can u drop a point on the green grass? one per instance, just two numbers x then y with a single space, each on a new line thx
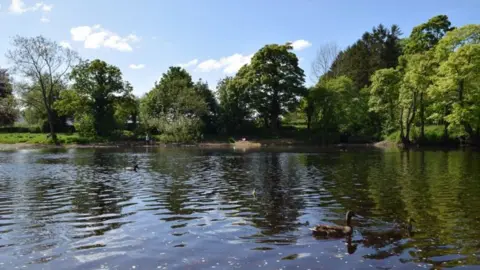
433 135
41 138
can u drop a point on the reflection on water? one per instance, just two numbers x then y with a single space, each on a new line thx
204 209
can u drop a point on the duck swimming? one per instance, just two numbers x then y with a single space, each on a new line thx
134 168
334 230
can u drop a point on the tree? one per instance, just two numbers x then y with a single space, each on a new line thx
173 107
426 36
322 63
459 80
126 108
31 98
97 86
420 69
456 84
210 118
44 61
5 83
374 50
419 61
8 110
384 98
275 81
234 104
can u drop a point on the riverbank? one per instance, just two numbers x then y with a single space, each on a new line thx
15 141
239 145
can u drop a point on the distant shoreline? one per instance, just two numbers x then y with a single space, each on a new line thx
247 145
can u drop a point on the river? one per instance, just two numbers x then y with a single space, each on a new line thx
226 209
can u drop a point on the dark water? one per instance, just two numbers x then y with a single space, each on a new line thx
194 209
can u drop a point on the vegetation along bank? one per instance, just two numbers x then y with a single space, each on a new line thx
421 89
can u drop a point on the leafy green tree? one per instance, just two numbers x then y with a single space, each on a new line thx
426 36
375 50
384 97
456 84
419 63
418 76
97 86
234 104
338 107
210 118
127 108
173 107
275 81
8 110
31 99
46 62
459 80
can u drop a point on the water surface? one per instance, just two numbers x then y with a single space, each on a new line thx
207 209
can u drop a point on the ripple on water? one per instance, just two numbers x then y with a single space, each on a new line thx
197 209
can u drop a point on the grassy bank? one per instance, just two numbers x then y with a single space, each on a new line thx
433 136
41 138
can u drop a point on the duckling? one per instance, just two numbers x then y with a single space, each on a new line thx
333 230
134 168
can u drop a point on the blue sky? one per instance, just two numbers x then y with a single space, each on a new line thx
144 37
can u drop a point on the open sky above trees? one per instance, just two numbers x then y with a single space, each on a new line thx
210 38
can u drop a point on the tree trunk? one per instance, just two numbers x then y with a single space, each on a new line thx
422 119
445 124
402 134
274 123
265 121
53 135
410 117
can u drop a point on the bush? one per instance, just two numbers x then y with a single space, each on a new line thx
85 125
182 129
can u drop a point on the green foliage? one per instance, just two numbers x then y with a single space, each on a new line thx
98 90
41 138
375 50
426 35
459 80
85 125
234 104
210 118
274 81
174 107
45 64
384 96
8 104
8 110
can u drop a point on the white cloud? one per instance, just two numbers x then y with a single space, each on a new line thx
44 19
95 37
300 44
140 66
47 8
189 63
229 64
65 44
19 7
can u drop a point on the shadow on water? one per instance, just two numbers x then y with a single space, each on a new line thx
201 208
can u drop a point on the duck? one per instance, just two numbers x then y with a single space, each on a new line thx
335 231
134 168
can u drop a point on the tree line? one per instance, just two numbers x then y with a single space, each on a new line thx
379 85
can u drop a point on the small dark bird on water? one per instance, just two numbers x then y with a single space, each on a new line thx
134 168
329 231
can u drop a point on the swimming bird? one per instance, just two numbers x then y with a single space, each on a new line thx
134 168
334 230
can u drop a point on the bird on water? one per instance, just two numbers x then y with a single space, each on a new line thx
134 168
334 231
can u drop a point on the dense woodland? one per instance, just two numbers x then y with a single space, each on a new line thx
421 89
